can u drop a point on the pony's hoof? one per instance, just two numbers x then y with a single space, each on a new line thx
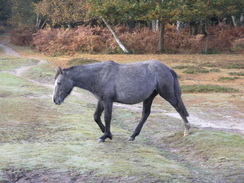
131 139
110 137
186 134
101 140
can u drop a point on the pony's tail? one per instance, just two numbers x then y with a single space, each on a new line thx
180 105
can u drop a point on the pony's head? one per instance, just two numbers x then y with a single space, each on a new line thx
63 86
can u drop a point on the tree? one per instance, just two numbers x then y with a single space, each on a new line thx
112 11
21 12
146 10
5 10
164 11
202 10
61 12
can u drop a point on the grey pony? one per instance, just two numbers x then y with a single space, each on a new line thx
123 83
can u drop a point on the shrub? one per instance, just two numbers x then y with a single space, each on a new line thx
139 40
22 36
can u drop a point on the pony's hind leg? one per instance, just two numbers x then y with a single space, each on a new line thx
179 106
145 113
187 125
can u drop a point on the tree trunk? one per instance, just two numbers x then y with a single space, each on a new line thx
202 27
116 37
132 24
242 20
161 37
234 21
179 26
154 25
207 36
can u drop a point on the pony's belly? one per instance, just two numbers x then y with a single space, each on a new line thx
132 98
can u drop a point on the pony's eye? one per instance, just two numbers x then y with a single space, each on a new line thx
59 83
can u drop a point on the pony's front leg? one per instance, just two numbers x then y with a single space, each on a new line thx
145 113
97 115
107 118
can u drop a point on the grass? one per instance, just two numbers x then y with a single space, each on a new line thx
1 50
239 65
180 67
8 63
81 61
37 136
43 73
207 89
236 73
195 70
209 64
191 69
220 149
227 78
214 70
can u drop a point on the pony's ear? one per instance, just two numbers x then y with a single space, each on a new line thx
59 70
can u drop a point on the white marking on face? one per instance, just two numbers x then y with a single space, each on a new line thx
54 89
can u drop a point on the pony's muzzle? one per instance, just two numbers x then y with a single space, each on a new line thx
57 102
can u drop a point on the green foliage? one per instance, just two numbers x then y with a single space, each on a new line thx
22 13
196 10
5 10
59 12
122 11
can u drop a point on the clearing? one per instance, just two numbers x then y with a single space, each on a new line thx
42 142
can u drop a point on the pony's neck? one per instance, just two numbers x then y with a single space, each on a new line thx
85 77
